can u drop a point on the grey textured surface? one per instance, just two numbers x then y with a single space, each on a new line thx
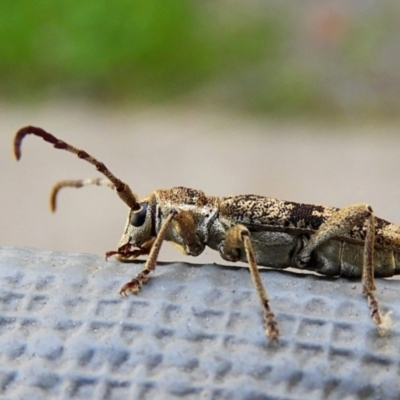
192 332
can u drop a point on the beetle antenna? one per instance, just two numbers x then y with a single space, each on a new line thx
78 183
123 190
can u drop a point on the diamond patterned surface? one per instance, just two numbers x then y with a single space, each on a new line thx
190 333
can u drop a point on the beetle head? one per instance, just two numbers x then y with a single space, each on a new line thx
139 233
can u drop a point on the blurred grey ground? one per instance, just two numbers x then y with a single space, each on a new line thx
190 333
221 154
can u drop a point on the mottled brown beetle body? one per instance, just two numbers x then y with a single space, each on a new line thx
349 242
279 230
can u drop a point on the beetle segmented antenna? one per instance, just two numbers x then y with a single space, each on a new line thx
123 190
76 184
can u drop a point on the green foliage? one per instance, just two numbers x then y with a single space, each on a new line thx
250 55
138 49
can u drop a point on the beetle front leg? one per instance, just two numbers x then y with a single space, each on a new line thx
142 277
340 224
182 230
237 238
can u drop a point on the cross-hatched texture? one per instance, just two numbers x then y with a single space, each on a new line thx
191 333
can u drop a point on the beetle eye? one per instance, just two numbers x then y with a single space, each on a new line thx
139 217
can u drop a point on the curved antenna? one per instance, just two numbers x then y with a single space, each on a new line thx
123 190
78 183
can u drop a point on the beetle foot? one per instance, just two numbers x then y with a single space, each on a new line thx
301 260
385 325
383 321
132 286
135 284
271 326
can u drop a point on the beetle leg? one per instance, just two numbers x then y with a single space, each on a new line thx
127 255
368 279
340 224
237 238
142 277
183 234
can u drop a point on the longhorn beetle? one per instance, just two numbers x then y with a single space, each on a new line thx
349 242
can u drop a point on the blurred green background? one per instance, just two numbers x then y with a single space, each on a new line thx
276 58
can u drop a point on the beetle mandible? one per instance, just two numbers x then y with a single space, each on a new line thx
348 242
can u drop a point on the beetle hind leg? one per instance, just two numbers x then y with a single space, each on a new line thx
238 238
382 320
340 224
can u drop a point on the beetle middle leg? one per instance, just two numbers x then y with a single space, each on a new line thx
237 238
340 224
